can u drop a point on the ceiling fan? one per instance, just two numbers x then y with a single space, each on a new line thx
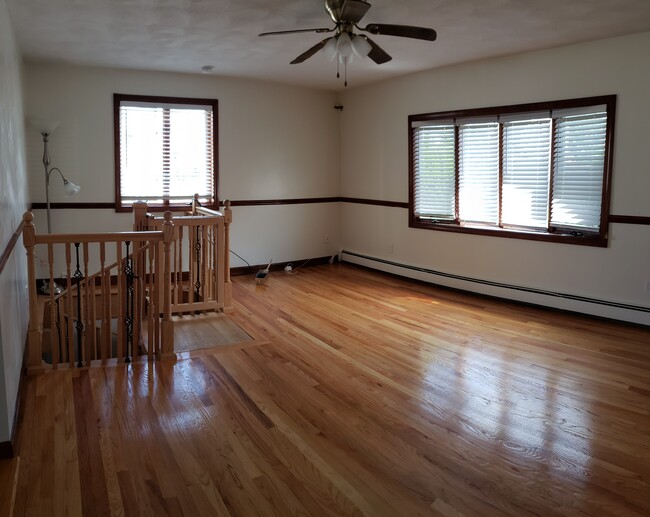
346 14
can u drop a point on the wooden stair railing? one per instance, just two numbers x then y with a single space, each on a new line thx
200 265
82 317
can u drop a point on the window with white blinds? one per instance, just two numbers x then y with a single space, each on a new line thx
435 180
537 171
478 172
166 150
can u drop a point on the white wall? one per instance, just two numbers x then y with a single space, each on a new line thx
275 142
13 202
374 158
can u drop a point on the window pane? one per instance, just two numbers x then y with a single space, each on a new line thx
579 165
526 170
434 171
479 172
141 156
190 153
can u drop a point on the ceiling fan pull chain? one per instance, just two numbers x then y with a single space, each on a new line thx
345 71
338 61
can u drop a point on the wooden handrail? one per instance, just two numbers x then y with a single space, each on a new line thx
199 256
59 238
79 331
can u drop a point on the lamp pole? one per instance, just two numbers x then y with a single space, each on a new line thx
46 164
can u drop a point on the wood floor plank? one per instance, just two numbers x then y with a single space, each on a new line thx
360 394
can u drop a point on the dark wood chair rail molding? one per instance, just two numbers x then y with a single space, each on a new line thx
619 219
629 219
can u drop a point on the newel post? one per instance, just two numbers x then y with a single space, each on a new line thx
139 216
35 332
227 294
167 330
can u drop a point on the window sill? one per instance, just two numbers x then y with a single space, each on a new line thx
563 238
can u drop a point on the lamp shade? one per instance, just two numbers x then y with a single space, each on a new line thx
344 44
360 46
329 50
71 188
43 126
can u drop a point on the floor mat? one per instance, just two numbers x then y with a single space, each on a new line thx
196 332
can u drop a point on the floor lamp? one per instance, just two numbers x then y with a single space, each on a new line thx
70 189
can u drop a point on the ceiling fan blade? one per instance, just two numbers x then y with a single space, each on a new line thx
353 10
306 55
275 33
377 54
405 31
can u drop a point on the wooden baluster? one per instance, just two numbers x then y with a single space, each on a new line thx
35 331
89 325
167 323
89 330
227 300
55 335
62 329
212 277
221 266
120 303
179 271
205 291
105 335
68 310
152 308
191 238
138 296
175 253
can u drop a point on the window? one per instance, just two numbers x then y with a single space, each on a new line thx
165 151
536 171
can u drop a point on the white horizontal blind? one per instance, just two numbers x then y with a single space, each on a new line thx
166 153
478 163
434 171
578 175
526 172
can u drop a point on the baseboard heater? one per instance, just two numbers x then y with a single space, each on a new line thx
531 290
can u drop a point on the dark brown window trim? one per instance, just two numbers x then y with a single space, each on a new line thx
599 240
118 98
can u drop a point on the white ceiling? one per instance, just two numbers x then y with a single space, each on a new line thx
184 35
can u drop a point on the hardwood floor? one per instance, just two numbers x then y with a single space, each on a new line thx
361 395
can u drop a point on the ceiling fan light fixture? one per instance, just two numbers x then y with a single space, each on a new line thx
344 44
329 50
360 45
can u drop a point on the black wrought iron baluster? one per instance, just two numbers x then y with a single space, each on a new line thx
79 325
128 318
